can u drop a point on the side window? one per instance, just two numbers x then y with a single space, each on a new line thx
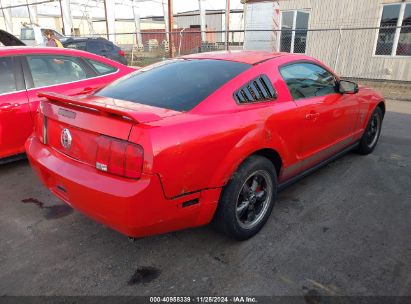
308 80
102 68
77 45
7 77
57 35
50 70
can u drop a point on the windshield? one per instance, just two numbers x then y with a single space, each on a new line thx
178 84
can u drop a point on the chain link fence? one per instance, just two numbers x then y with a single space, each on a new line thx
368 53
156 46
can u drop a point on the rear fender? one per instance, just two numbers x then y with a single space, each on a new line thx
256 140
192 153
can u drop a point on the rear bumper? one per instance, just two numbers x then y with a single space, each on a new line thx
133 207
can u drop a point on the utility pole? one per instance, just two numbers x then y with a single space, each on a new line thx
32 9
62 18
106 15
202 8
109 9
66 18
7 17
227 24
136 14
170 27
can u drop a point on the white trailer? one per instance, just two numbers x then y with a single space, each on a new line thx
263 16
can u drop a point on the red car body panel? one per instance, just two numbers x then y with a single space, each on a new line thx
190 156
133 207
17 109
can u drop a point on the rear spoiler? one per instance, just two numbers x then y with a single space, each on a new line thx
103 109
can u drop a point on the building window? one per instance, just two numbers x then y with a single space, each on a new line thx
394 36
294 25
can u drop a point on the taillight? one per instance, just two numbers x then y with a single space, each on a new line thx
41 127
119 157
121 53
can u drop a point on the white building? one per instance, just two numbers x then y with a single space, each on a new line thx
215 21
348 35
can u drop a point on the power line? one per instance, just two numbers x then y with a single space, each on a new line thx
28 4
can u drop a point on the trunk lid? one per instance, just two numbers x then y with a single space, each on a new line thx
74 125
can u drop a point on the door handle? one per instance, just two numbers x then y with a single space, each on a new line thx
312 116
8 106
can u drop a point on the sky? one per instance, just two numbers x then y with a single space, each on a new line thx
154 7
147 7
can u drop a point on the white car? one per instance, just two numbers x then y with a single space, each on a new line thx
33 35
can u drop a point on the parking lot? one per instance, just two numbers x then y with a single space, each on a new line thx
345 230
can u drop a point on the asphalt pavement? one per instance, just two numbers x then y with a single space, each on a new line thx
344 230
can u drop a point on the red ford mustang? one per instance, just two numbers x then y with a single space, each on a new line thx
24 71
203 137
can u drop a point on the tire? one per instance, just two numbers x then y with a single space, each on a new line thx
251 191
372 133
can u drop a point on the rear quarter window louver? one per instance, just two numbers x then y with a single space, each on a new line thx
258 89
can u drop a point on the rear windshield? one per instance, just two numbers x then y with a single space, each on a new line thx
178 85
27 34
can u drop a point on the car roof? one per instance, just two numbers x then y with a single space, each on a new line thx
26 50
249 57
81 39
16 50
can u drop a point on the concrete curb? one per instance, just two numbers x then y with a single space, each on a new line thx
397 99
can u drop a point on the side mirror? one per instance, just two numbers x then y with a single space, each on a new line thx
347 87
